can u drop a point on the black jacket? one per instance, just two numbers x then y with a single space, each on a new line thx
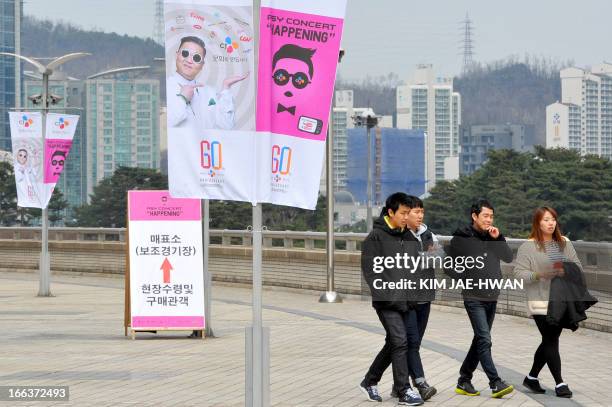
468 241
569 298
384 242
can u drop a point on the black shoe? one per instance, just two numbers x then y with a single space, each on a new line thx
425 390
499 389
410 398
371 392
466 388
563 391
533 385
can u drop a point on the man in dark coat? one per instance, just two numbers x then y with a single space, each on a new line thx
383 250
485 246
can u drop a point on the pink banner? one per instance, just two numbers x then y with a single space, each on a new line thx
160 206
168 322
297 68
56 154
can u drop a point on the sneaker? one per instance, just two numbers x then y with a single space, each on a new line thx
426 391
371 392
563 391
466 388
533 385
500 388
410 398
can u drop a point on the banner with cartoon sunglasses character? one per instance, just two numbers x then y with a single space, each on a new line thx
298 57
218 147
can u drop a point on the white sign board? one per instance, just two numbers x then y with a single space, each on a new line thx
166 271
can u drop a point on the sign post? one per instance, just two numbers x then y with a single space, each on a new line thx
247 120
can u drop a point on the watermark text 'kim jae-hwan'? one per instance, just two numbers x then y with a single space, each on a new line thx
411 264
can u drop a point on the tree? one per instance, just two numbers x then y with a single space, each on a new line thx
578 187
238 215
109 199
230 215
56 207
8 195
278 217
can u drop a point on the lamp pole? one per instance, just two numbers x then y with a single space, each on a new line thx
369 184
44 286
369 120
330 295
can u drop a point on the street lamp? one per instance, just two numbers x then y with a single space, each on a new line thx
44 287
330 295
368 119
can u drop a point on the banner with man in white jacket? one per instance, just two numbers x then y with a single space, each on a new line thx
38 165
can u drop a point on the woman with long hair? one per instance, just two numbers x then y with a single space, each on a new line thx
538 261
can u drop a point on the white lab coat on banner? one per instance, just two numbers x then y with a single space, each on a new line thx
208 109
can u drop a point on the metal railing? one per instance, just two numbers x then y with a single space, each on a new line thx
593 255
64 234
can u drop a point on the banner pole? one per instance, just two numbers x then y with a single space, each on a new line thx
44 288
257 342
257 308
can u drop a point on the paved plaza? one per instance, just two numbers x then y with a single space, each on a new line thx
319 352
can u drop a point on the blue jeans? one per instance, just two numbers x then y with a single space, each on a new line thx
416 323
481 314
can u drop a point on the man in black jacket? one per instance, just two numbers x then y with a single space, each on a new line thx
382 250
481 245
418 314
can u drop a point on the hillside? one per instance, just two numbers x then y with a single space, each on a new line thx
510 92
501 92
47 39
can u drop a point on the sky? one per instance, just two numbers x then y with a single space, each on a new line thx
383 36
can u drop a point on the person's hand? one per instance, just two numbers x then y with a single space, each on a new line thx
493 232
231 80
187 90
558 269
546 274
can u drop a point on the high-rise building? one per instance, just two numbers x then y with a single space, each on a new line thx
341 121
476 141
398 163
582 120
429 104
69 92
10 67
122 110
